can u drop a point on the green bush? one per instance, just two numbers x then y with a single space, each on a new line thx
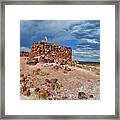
43 72
34 97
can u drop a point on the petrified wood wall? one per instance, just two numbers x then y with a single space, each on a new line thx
24 54
50 52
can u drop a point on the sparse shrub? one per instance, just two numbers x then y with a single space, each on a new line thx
35 97
43 72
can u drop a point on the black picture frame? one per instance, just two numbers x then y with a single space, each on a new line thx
66 2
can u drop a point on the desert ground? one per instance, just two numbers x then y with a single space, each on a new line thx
50 81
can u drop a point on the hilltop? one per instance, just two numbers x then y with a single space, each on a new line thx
48 72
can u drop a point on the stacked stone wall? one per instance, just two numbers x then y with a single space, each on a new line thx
24 54
50 52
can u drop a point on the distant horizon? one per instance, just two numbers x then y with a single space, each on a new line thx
83 36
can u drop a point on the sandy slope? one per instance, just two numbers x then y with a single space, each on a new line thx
74 81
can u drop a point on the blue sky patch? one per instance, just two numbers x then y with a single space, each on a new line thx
83 36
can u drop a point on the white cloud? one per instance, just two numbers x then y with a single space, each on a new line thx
26 49
92 41
86 55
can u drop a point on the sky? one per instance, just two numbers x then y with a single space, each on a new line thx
83 36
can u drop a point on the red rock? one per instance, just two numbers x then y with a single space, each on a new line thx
43 94
28 93
47 81
50 52
32 61
37 89
82 95
24 54
91 96
53 80
67 68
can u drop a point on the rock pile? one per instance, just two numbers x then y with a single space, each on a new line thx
51 53
24 54
82 95
32 61
47 90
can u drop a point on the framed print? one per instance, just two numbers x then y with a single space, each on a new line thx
60 59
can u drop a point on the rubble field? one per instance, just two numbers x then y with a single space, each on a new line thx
52 81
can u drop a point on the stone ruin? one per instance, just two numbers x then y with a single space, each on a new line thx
47 52
24 54
50 53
